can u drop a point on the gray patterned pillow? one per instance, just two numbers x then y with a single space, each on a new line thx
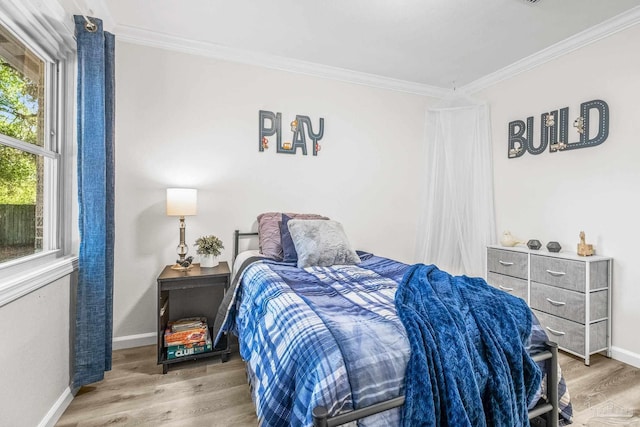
321 243
269 239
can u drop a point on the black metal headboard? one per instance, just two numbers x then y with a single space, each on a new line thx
236 238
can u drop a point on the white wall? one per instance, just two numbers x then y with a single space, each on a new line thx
192 121
34 361
553 196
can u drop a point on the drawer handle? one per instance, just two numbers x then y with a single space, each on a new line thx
504 288
556 273
554 332
505 263
558 303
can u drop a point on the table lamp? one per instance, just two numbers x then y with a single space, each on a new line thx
182 202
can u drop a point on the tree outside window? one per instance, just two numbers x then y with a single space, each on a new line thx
22 76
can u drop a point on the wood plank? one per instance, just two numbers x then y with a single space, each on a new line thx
211 393
135 392
605 393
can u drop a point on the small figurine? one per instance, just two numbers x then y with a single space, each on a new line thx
517 148
558 146
584 249
508 240
549 120
186 263
294 125
265 143
579 124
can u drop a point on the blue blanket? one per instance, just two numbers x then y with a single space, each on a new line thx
469 364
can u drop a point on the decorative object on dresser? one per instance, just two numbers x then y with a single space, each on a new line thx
182 202
569 294
209 248
184 298
584 249
534 244
508 240
553 247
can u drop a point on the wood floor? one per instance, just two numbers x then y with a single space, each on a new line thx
210 393
136 393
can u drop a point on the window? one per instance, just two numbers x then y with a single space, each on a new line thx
29 154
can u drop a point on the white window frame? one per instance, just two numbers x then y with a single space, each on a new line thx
28 22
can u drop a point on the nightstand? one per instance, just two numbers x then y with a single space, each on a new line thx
195 292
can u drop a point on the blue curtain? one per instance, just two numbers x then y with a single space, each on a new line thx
95 128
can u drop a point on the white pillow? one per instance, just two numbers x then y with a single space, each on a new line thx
321 243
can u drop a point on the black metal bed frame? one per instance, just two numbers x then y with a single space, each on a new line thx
549 407
236 240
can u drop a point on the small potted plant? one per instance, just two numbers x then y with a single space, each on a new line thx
209 248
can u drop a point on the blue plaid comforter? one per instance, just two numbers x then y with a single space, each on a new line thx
325 336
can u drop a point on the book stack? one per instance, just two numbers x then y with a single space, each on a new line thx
187 337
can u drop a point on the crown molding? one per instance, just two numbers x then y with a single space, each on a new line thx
164 41
575 42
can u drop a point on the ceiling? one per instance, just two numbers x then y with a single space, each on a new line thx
431 43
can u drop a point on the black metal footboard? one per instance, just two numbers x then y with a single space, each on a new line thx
548 407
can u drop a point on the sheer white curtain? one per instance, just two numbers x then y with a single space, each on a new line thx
457 219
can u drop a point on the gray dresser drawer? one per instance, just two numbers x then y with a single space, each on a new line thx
571 335
559 272
568 304
558 301
507 262
514 286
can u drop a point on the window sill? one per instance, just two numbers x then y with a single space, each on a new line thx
25 282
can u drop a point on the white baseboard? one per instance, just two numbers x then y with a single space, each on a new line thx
130 341
58 408
625 356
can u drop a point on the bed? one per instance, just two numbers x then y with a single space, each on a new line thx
325 346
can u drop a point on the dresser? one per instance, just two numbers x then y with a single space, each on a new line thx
569 294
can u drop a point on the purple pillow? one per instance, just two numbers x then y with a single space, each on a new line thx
269 232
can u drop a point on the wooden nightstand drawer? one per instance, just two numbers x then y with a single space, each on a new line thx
507 262
568 304
571 335
558 272
514 286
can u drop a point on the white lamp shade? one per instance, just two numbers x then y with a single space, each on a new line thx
182 201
